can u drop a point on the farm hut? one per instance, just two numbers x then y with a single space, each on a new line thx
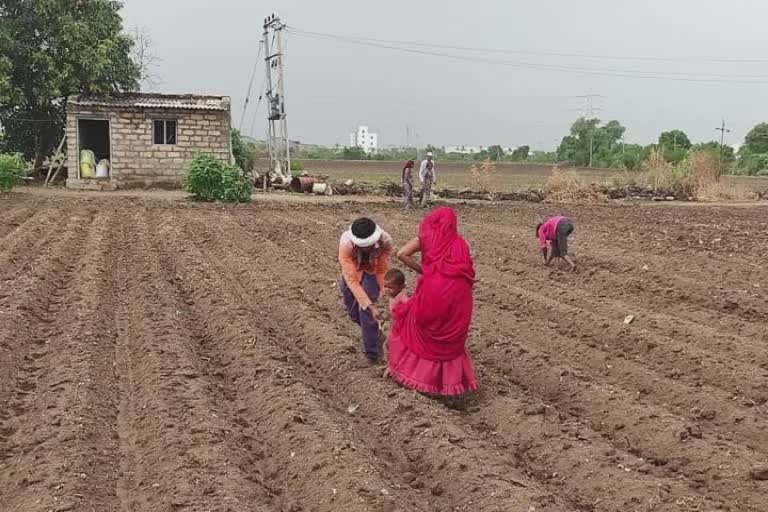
137 140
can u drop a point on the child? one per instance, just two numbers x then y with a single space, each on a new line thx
553 236
394 286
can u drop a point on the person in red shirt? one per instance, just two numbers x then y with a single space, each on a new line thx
553 236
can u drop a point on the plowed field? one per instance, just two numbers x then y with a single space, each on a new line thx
156 356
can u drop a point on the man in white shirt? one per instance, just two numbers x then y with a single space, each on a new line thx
428 177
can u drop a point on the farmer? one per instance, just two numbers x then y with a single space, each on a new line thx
364 254
553 236
407 178
428 178
427 342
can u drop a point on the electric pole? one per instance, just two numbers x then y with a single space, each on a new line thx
277 129
723 130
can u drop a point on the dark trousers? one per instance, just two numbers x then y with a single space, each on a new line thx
368 326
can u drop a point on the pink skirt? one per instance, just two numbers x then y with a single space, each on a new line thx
444 378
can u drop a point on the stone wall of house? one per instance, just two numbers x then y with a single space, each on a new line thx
136 159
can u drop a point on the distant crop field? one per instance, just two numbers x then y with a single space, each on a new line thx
509 177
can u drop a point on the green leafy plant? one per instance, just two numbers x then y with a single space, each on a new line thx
207 179
297 165
235 187
11 167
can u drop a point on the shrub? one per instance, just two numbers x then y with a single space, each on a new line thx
11 167
235 187
297 165
663 176
207 179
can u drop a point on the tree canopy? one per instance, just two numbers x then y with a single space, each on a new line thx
674 140
756 141
590 143
52 49
520 154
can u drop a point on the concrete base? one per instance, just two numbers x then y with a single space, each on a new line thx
92 184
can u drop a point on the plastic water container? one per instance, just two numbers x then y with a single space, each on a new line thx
87 163
102 169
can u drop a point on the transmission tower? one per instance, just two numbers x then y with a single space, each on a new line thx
277 130
589 113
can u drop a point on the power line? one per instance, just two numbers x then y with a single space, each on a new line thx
670 76
250 85
550 54
258 104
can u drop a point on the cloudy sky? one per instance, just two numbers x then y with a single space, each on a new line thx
655 64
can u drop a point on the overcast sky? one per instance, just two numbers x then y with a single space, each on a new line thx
209 46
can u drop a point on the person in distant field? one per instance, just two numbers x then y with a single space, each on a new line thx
553 236
365 251
407 178
428 178
427 342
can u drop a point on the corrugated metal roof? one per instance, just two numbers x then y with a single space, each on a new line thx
169 101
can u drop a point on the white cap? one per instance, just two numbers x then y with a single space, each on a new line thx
429 153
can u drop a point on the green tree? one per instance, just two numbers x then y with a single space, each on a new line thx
495 152
57 48
589 142
673 140
520 154
675 145
729 156
756 141
354 153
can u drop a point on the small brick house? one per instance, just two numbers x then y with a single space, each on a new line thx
145 138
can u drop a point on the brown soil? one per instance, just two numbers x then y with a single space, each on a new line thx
160 356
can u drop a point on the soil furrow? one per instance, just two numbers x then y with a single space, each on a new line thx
577 314
179 449
14 218
57 431
20 250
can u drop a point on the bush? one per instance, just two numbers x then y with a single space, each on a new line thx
296 165
236 188
11 167
207 179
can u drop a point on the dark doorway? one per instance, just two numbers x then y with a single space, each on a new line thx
94 135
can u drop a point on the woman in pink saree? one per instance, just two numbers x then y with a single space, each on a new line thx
427 343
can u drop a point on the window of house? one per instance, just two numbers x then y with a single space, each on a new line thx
165 132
